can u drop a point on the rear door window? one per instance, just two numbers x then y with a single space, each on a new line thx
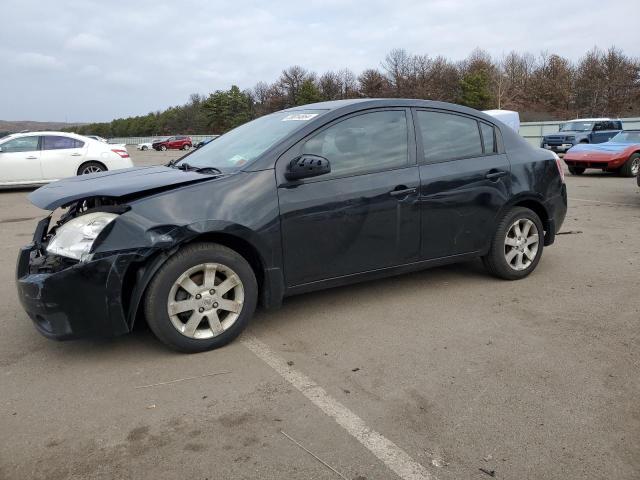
56 142
447 136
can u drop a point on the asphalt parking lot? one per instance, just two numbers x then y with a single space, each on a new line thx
454 370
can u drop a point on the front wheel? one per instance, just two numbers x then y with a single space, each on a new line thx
516 246
163 148
201 298
576 170
144 147
631 167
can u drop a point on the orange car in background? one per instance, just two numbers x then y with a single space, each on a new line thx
621 154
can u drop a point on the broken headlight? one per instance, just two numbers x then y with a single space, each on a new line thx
75 238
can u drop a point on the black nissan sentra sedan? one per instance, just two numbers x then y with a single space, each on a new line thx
307 198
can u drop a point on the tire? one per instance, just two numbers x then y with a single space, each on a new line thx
190 263
91 167
186 147
163 148
144 148
496 261
631 166
576 170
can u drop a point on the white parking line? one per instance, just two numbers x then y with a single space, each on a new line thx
606 203
384 449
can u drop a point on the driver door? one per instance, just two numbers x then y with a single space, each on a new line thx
363 215
20 160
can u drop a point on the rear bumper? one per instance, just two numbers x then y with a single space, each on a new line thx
82 300
557 210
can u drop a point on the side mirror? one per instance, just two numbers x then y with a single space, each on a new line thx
307 166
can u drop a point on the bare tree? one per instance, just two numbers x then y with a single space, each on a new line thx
373 84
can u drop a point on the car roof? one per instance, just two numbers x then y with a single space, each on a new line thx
46 132
356 104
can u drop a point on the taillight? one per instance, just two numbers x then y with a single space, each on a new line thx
559 165
122 153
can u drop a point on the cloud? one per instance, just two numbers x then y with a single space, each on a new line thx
130 58
36 61
90 71
87 42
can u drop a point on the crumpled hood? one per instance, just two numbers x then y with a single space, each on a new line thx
115 183
606 147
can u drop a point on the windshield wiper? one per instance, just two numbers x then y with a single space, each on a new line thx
208 170
190 168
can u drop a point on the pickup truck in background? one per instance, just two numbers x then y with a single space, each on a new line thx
585 130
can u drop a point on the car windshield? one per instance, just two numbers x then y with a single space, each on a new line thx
247 142
577 127
627 137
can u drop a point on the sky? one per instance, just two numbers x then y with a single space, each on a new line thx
92 60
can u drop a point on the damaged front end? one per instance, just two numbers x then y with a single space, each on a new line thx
71 287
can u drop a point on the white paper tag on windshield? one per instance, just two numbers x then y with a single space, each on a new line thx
299 117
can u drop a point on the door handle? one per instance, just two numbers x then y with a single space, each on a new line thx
495 174
31 157
402 191
76 154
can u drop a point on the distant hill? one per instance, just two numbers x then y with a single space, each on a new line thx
8 126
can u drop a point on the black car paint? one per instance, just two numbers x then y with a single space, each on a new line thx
377 223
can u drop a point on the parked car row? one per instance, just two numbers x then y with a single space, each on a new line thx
177 142
598 143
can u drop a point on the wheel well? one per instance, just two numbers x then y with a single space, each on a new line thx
538 208
90 161
132 302
239 245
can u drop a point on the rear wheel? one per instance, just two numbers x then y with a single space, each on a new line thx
517 245
576 170
144 147
186 147
201 298
631 166
91 167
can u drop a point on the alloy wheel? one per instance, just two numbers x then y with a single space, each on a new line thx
90 169
205 301
635 166
521 244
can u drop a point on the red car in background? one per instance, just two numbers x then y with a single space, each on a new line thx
177 142
621 154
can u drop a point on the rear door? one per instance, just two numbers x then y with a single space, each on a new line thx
464 182
603 131
363 215
61 156
20 160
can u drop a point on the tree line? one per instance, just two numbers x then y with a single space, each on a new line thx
543 87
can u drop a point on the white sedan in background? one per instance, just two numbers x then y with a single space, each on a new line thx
35 158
